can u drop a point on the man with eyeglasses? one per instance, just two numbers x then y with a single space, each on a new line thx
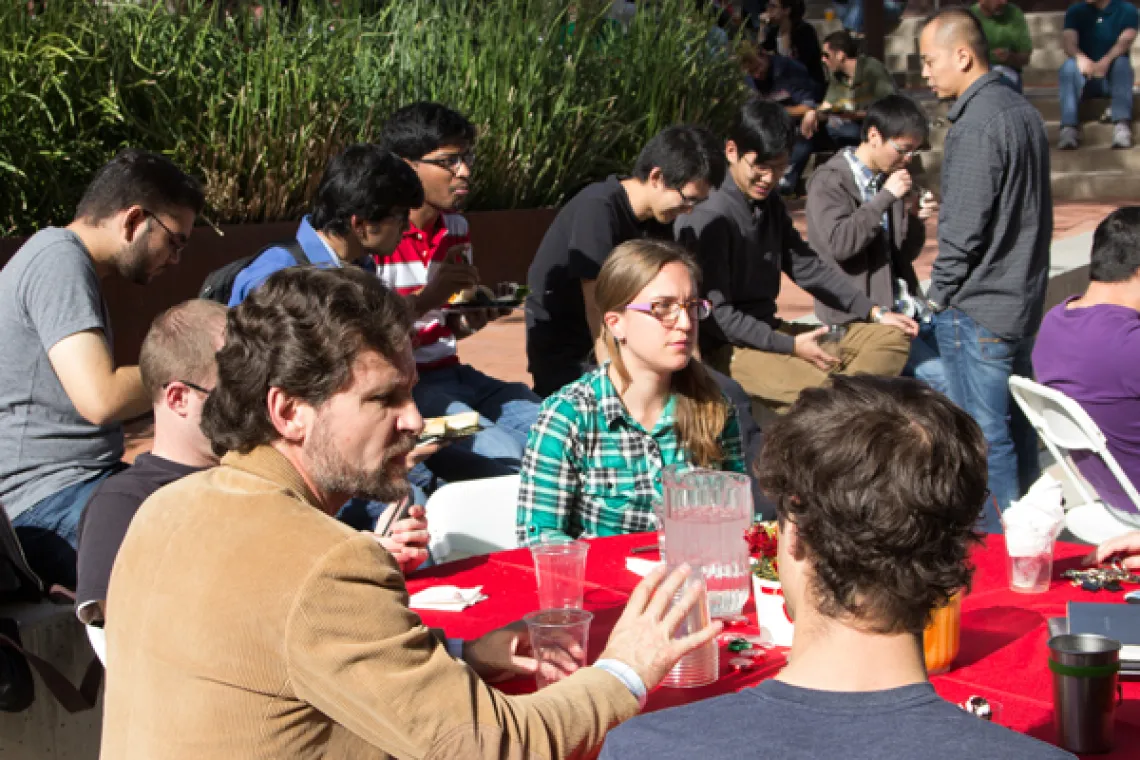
744 240
864 217
432 263
176 362
672 175
62 398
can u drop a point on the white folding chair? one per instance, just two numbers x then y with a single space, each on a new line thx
473 517
1063 424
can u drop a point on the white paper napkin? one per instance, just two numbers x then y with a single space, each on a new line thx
640 566
1033 522
446 598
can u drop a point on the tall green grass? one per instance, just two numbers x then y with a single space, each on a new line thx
257 106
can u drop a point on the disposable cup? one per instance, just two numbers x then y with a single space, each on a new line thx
559 640
560 570
701 666
1031 574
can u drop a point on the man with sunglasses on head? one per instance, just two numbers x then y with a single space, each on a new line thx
62 397
864 216
744 239
432 263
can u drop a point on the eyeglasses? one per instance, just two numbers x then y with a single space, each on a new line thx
907 154
668 311
688 201
178 241
451 161
768 170
189 385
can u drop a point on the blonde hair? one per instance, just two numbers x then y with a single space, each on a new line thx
702 410
180 345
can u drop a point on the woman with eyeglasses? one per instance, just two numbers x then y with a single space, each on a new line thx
593 461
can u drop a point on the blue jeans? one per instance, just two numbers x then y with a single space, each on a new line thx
507 410
49 531
1117 85
924 362
978 365
834 135
851 14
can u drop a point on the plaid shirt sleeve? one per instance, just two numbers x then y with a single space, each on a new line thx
731 444
549 479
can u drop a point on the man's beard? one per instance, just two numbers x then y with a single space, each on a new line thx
133 261
331 473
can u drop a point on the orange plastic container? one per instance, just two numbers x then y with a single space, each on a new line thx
941 639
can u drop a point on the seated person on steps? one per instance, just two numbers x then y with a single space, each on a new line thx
744 239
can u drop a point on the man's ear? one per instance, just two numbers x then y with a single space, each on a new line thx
132 223
731 152
175 397
292 418
656 178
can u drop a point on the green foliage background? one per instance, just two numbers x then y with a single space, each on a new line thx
256 105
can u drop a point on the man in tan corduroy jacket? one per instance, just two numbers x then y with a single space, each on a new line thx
245 622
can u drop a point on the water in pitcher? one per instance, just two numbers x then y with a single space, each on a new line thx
706 514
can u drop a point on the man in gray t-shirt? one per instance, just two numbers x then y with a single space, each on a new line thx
61 397
878 484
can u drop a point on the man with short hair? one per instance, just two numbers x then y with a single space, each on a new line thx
433 262
62 398
673 174
176 362
744 239
1089 349
1098 39
1007 34
779 78
860 589
360 211
244 621
862 216
995 226
857 81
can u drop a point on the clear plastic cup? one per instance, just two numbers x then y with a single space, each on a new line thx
1031 574
701 666
560 569
558 639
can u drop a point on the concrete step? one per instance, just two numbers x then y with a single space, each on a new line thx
1093 135
1087 159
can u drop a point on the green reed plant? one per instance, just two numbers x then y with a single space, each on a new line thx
257 104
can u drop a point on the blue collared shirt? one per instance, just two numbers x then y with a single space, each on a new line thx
276 258
868 182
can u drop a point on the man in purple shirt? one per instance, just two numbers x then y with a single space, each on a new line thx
1089 349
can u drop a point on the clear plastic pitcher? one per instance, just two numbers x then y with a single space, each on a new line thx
706 513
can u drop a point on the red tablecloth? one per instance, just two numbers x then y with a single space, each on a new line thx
1003 653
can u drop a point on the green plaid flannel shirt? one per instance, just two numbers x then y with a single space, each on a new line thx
590 469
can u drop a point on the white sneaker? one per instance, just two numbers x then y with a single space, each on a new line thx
1070 139
1122 135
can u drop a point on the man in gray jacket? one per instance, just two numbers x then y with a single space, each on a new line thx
863 216
744 239
995 225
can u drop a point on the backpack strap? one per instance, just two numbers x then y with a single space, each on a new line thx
293 247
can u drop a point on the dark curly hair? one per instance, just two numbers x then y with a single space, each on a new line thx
301 332
884 479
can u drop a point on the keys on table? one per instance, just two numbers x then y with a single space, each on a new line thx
1102 578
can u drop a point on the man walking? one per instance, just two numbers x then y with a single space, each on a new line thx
996 220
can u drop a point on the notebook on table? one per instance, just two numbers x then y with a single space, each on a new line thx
1115 620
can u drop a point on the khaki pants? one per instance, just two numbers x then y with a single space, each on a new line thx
774 381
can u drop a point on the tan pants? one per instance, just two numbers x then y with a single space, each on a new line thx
774 381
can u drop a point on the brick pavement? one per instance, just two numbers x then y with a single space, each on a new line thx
499 349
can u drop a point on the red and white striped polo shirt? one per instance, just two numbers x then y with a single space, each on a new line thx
405 270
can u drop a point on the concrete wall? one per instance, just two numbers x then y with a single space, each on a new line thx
504 244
